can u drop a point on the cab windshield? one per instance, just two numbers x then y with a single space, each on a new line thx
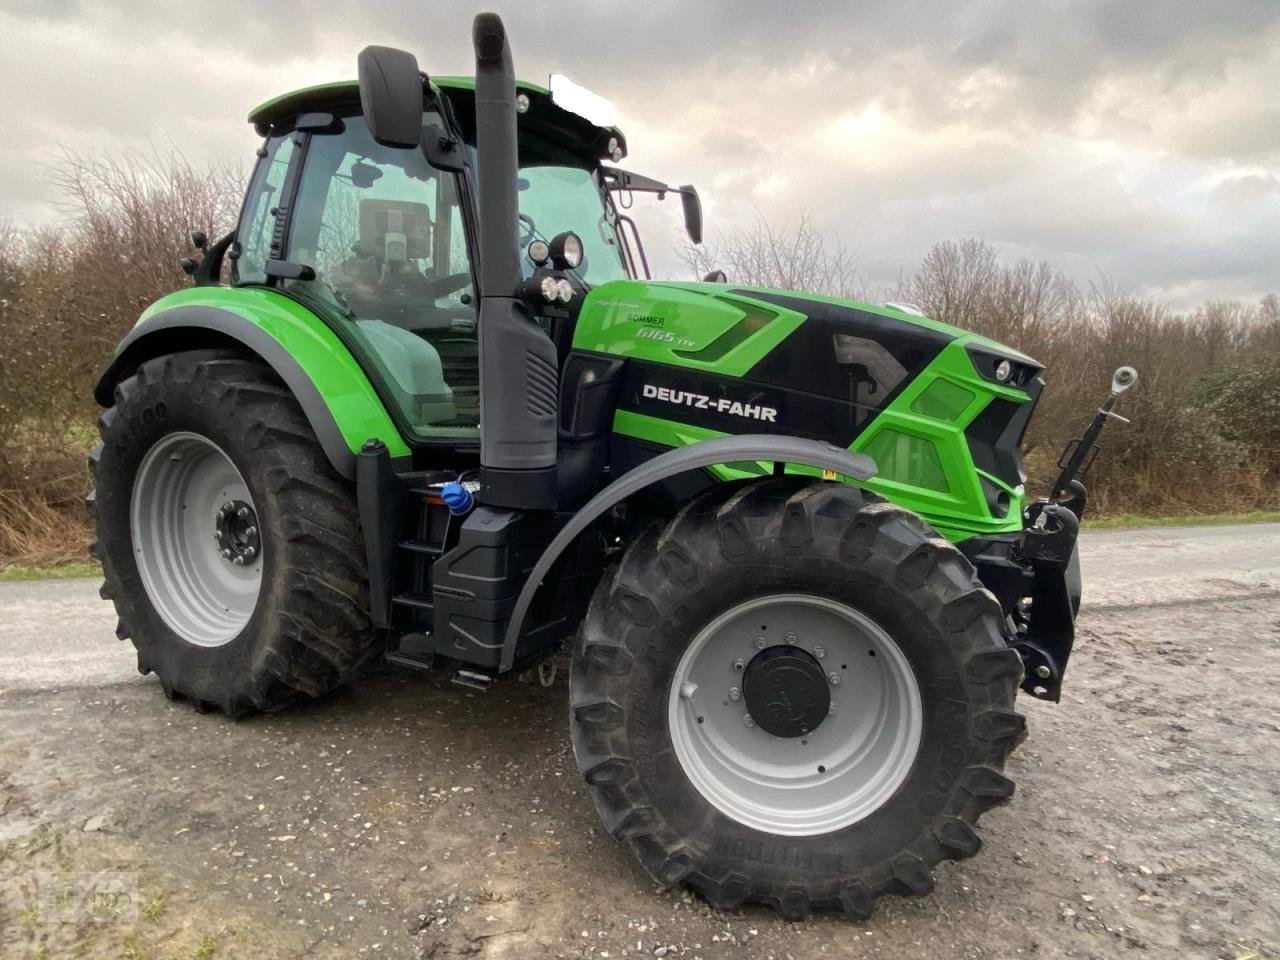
556 198
558 193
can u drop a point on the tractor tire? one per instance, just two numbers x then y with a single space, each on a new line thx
231 549
797 694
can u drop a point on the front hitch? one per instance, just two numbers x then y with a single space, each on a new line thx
1046 620
1048 617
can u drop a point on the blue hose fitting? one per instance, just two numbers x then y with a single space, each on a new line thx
457 498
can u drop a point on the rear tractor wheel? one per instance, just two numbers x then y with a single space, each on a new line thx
795 694
230 548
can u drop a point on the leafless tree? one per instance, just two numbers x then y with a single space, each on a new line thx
795 256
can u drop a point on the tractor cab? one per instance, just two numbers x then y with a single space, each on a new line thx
382 240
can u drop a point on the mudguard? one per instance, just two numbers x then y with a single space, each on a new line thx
706 453
336 396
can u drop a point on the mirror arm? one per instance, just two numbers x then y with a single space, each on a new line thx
615 178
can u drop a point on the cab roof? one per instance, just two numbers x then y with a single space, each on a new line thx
543 115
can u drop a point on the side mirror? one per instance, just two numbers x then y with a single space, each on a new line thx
692 212
391 96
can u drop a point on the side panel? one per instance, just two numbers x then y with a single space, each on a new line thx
333 391
707 361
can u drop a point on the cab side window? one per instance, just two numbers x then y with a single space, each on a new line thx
384 232
257 219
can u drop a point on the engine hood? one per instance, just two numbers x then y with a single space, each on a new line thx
734 327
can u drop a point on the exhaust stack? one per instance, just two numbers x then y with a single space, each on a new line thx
518 363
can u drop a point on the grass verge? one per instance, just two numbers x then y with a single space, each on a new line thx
1129 521
20 571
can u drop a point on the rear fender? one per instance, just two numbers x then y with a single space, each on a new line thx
335 394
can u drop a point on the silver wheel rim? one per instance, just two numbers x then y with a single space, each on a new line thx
847 767
182 488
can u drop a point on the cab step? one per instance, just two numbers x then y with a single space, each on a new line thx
473 679
414 650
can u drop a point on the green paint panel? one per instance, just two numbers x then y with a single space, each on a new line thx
681 325
907 459
960 507
347 393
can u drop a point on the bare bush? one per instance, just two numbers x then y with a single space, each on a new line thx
796 256
67 295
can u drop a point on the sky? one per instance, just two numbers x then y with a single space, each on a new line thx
1119 139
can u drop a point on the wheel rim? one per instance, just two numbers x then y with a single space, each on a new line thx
196 539
812 779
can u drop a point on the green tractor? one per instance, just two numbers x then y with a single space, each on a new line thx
441 414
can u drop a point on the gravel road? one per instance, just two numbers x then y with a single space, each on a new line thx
404 817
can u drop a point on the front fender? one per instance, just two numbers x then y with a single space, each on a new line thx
334 393
705 453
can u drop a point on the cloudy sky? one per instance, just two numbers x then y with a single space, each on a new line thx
1137 140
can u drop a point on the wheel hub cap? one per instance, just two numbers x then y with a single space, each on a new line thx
786 692
235 529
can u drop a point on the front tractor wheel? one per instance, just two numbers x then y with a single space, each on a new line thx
795 694
230 548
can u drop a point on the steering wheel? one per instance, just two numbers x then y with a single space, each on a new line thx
421 287
531 232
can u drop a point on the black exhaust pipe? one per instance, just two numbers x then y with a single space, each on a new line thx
518 363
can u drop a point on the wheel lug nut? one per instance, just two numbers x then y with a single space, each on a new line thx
791 638
747 721
249 553
238 561
831 709
833 679
738 664
760 643
735 693
228 507
242 512
226 554
250 531
687 689
819 652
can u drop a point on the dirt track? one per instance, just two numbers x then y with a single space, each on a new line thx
408 818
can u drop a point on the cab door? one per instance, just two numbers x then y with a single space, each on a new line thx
384 232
